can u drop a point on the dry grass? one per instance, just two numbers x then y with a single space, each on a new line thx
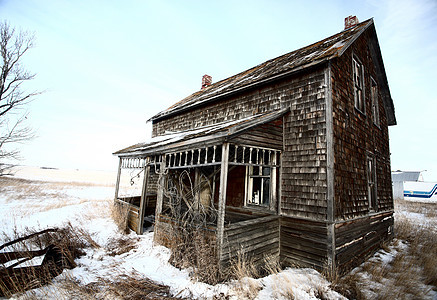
407 269
130 287
68 240
193 248
121 245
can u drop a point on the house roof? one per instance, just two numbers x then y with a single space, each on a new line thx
284 65
207 135
405 176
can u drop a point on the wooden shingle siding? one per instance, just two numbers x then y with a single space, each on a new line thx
255 239
303 243
233 108
357 239
304 159
355 135
268 135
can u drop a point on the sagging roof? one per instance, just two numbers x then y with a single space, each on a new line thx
206 135
308 56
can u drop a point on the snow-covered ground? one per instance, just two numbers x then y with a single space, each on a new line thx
48 198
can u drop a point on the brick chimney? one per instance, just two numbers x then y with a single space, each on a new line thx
350 22
206 81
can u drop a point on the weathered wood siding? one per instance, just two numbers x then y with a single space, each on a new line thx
131 211
355 240
245 104
269 135
133 217
303 243
256 239
355 134
304 184
131 204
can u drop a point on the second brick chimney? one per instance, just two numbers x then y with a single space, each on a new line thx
350 22
206 81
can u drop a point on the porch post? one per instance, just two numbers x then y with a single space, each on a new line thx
222 199
160 189
143 200
117 183
274 197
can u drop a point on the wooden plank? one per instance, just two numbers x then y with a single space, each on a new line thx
247 230
252 237
222 198
143 201
317 249
117 183
160 189
330 159
251 222
248 249
359 238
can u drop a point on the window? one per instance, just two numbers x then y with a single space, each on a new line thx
371 182
375 105
258 190
358 73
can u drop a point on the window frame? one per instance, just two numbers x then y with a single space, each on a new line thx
358 82
375 101
372 185
250 176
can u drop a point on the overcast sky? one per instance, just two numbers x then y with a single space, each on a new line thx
108 66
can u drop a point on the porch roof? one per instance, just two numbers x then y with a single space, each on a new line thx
207 135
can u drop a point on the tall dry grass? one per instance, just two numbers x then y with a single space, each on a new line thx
68 241
407 266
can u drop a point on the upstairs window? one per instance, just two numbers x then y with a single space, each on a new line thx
375 104
358 73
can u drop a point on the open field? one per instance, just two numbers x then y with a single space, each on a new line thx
116 265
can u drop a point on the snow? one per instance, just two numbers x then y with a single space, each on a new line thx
85 203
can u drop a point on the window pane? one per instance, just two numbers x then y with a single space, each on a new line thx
266 191
266 171
256 190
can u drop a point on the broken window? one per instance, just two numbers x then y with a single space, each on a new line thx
358 73
371 181
375 105
258 191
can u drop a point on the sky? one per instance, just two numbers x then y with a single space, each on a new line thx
106 67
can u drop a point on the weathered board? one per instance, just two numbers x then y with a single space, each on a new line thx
133 208
269 135
303 243
254 239
357 239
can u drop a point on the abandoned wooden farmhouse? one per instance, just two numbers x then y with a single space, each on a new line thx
288 159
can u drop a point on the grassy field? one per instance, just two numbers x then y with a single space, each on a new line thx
114 264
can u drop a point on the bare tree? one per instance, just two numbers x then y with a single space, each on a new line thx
13 45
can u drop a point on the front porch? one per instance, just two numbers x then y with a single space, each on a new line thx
224 182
